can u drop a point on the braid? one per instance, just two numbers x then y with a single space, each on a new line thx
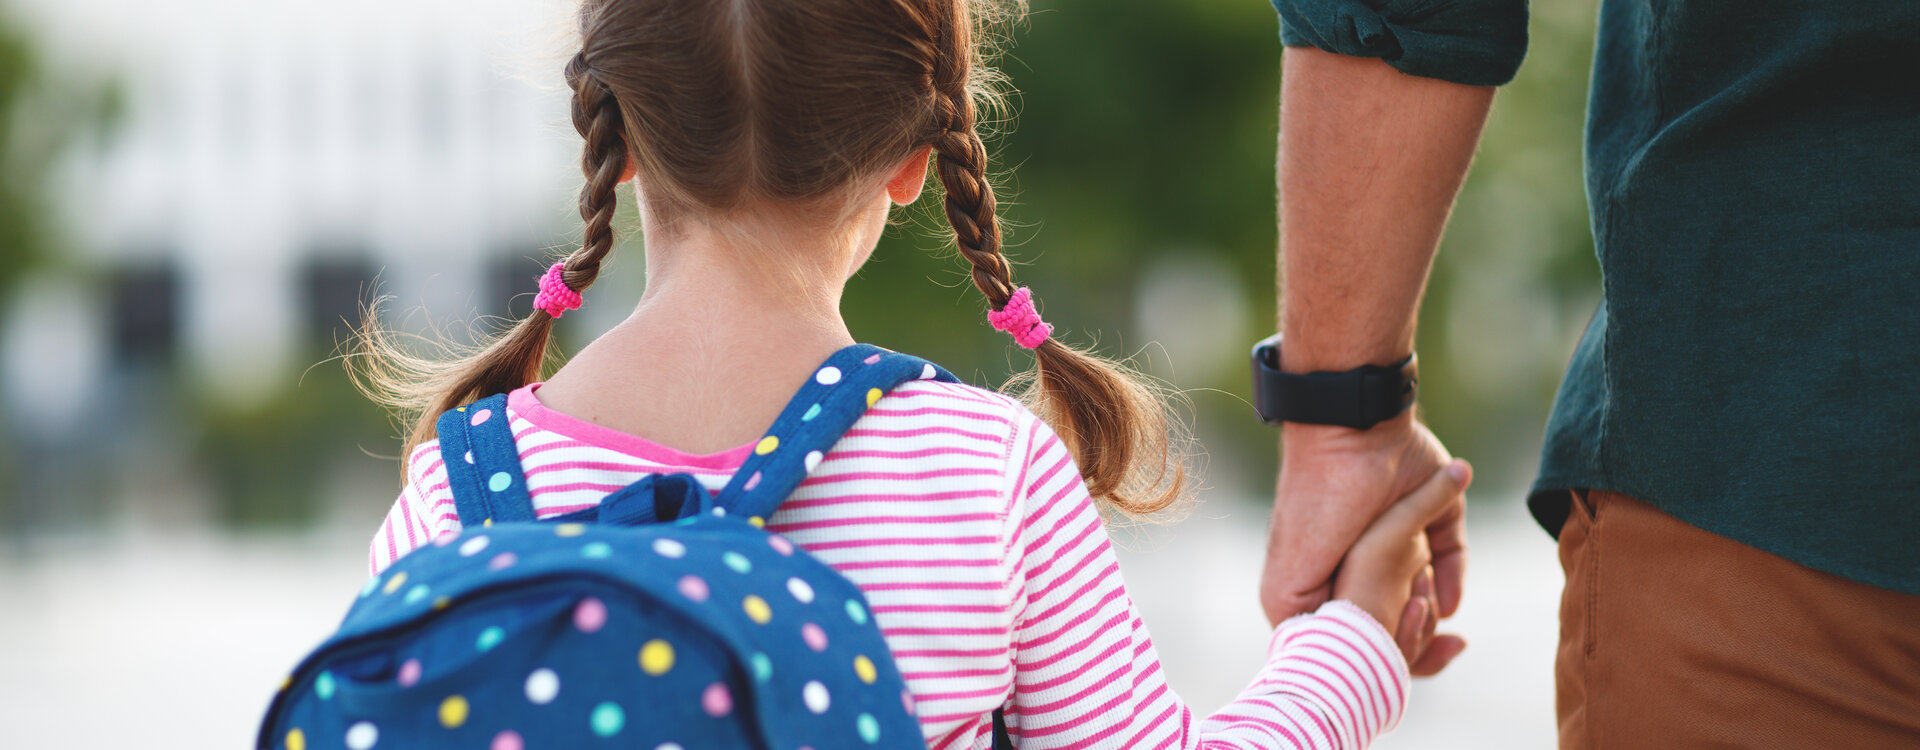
425 387
1117 426
603 159
961 163
970 207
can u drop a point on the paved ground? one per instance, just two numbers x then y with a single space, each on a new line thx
176 640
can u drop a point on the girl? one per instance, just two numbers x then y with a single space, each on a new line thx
767 140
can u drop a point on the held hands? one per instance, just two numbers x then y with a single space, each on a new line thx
1334 482
1388 571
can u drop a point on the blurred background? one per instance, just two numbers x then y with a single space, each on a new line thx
197 196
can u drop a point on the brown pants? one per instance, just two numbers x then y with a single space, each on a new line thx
1673 637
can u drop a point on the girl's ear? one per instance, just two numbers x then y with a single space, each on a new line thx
903 186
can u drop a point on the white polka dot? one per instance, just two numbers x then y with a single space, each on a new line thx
543 686
670 746
669 548
813 459
472 547
720 512
469 456
927 372
800 590
361 736
827 375
815 695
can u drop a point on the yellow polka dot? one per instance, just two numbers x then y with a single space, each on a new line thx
570 529
757 522
461 409
757 609
441 603
863 667
296 739
656 657
286 683
767 445
453 712
488 522
873 394
393 584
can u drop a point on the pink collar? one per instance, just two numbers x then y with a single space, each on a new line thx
523 403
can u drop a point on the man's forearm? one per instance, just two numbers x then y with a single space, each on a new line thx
1370 162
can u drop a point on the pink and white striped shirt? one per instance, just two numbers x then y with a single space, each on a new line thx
965 521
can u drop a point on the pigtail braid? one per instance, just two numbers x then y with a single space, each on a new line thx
424 387
603 159
1117 426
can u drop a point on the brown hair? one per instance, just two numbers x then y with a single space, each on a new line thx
725 105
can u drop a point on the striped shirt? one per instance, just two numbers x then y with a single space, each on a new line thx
965 521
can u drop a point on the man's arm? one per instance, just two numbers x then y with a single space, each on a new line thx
1370 162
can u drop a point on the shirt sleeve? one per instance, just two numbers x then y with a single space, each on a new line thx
1472 42
1086 674
423 512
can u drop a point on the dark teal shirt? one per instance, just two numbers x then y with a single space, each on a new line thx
1753 175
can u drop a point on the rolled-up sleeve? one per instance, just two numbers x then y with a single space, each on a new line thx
1472 42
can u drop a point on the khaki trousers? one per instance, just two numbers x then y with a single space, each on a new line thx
1673 637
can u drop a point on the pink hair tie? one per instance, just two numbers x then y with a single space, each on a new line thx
555 296
1018 317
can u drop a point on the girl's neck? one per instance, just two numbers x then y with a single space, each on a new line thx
735 316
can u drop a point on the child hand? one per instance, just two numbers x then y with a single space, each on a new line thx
1387 572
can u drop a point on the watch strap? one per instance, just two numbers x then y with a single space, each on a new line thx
1359 398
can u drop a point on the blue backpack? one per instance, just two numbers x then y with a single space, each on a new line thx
665 618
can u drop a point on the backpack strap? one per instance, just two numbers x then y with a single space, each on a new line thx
483 466
839 392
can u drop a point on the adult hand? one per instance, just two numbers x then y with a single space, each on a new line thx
1334 481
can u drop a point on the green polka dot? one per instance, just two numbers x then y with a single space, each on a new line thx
762 666
857 612
417 594
489 638
812 411
869 728
737 561
597 550
367 590
499 481
608 719
323 685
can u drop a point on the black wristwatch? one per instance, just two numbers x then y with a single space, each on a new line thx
1359 398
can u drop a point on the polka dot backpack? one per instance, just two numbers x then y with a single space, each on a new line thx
666 618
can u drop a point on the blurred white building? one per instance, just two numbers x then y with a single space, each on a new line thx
274 158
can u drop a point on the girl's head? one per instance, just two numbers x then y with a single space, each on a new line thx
729 108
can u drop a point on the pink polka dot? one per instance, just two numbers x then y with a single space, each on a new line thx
502 561
871 359
590 616
693 588
445 539
752 481
716 701
507 740
815 637
480 416
780 544
906 699
409 673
